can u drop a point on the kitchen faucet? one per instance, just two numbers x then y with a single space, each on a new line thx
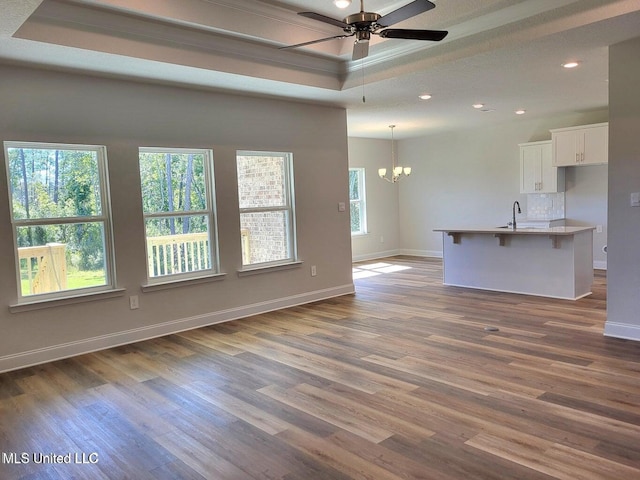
513 219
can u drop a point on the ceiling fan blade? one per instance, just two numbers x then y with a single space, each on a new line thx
325 19
314 41
360 49
410 10
431 35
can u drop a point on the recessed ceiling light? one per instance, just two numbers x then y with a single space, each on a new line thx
520 111
570 64
478 105
424 96
342 3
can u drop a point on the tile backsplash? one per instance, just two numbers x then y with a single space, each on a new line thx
545 206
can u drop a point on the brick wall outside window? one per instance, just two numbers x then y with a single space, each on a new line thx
262 184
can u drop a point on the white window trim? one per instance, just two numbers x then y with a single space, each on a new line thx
39 304
362 201
258 268
289 206
44 300
189 278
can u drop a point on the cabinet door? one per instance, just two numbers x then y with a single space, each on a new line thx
596 145
530 168
552 178
565 153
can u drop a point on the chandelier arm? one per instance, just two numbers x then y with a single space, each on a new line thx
397 171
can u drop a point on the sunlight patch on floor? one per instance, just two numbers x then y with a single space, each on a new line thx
374 269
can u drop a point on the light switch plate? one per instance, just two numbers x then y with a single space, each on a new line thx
342 207
635 199
133 302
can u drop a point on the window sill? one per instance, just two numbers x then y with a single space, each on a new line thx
182 282
363 234
268 268
70 300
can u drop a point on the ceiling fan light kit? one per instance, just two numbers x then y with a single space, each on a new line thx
342 3
363 24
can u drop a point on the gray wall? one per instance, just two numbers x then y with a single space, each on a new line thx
623 276
586 204
471 178
383 233
56 107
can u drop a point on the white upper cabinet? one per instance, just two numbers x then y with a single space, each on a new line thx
537 174
585 145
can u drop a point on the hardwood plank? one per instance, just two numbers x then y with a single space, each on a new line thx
334 455
239 408
324 366
197 456
281 410
455 376
560 461
400 380
327 412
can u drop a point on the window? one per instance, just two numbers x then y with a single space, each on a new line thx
61 219
178 207
267 219
357 203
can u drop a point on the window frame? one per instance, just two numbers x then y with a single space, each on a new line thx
361 201
106 218
210 213
288 206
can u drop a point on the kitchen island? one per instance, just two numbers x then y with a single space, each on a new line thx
551 262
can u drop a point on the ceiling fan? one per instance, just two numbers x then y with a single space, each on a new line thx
363 24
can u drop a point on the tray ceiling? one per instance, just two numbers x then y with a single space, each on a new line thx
503 53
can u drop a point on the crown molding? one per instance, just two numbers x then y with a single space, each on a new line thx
115 31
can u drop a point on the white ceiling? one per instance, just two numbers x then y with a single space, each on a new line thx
506 54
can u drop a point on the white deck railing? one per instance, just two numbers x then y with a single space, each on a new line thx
171 254
46 267
182 253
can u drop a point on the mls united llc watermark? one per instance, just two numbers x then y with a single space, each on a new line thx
17 458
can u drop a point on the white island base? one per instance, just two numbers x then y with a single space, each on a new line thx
551 262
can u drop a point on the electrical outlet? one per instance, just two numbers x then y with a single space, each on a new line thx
598 228
381 239
133 302
314 272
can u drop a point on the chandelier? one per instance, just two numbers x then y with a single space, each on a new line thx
396 170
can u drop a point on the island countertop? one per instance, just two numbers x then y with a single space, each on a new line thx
517 231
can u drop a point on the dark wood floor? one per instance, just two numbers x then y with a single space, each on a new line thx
400 381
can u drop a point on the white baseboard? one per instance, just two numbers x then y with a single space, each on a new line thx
375 255
622 330
422 253
393 253
58 352
599 265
